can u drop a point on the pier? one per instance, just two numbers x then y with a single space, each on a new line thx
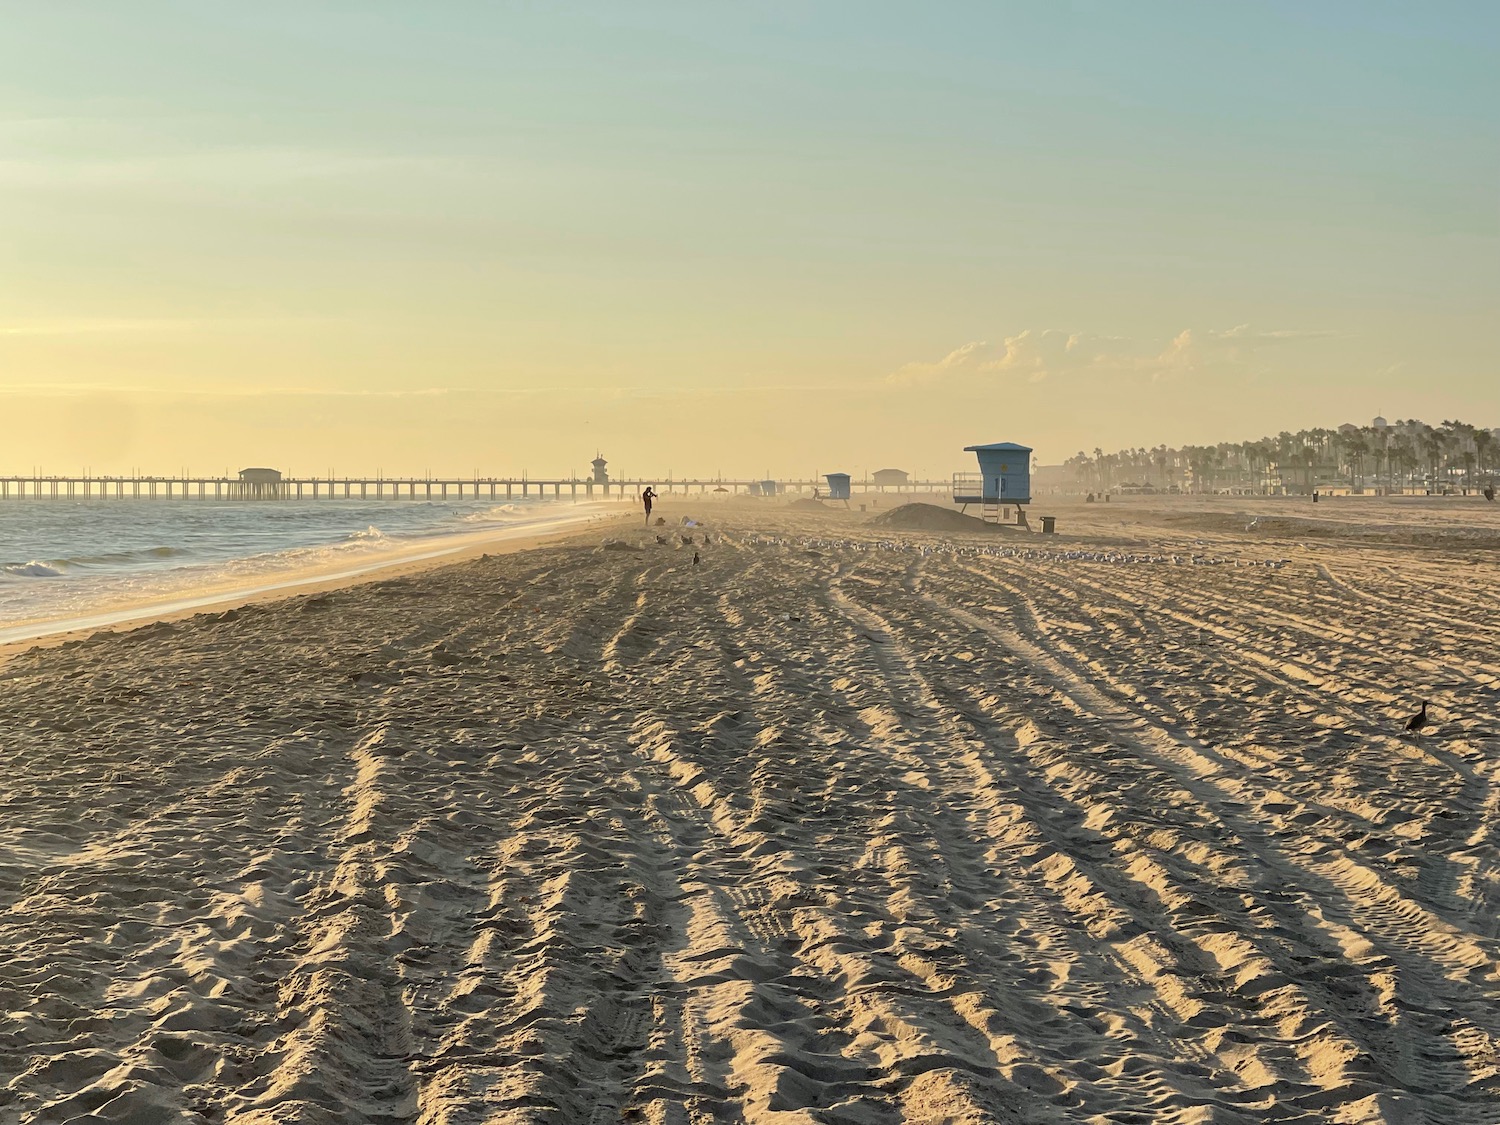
402 488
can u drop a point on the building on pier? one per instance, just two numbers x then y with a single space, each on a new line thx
259 484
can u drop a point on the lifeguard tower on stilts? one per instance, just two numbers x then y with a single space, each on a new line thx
838 486
1003 482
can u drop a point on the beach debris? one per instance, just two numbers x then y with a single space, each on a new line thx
618 545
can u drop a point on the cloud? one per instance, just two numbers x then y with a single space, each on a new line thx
151 326
83 390
571 396
1037 355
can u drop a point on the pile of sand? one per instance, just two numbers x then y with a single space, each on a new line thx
929 517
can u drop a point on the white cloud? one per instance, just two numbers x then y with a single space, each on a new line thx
1036 355
119 325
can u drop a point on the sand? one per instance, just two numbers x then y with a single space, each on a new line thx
846 824
932 517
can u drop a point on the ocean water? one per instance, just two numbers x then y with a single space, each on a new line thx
66 560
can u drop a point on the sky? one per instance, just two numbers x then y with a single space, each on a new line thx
704 237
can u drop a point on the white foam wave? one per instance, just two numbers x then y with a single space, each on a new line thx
33 569
499 512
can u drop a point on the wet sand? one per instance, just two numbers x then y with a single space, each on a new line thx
846 824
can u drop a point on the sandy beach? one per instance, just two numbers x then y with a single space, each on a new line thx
850 822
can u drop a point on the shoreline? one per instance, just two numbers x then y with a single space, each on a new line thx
501 540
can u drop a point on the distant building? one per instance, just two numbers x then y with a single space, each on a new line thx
1379 423
601 473
260 484
890 478
1052 477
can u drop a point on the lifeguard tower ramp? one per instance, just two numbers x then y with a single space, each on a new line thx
838 486
1002 483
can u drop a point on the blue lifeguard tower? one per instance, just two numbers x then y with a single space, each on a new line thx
768 488
838 486
1003 481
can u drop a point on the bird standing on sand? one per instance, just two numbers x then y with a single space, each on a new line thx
1419 720
695 558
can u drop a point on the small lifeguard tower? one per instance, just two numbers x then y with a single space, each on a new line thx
769 488
838 486
1003 481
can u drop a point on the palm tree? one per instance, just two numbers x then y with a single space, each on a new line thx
1356 449
1484 448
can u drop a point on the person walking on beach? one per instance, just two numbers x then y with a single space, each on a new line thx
647 497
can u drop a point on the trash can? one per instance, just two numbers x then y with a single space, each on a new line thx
1049 525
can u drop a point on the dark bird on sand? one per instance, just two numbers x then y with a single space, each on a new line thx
695 558
1419 720
687 540
662 539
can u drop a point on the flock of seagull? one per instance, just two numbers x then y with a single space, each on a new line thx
968 550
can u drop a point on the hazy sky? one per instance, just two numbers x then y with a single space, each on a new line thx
707 236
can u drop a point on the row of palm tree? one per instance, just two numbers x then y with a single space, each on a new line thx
1403 456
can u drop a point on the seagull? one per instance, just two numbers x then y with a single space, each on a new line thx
1419 720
